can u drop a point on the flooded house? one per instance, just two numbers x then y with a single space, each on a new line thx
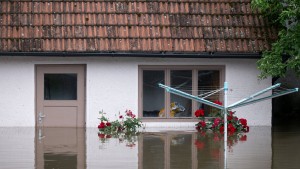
61 62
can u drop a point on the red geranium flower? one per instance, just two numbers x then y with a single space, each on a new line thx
203 124
216 122
218 102
231 128
120 116
213 126
199 112
243 122
128 113
221 129
108 124
230 116
246 128
101 125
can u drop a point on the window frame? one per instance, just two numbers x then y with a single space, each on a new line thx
167 70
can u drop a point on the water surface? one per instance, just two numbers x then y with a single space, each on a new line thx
47 148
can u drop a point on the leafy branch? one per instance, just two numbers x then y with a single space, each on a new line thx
285 52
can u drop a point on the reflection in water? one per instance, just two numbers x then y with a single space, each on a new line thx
60 161
286 147
181 145
153 151
180 150
210 150
60 148
83 148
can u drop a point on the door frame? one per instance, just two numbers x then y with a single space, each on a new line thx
36 89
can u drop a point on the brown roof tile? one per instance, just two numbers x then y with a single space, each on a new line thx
132 25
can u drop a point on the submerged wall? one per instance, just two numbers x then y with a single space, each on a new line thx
254 151
112 86
22 148
17 147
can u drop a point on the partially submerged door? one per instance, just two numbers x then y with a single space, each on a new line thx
60 91
60 148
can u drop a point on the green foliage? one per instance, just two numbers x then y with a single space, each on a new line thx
285 52
131 124
127 123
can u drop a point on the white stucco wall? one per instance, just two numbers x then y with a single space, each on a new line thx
112 86
242 77
17 98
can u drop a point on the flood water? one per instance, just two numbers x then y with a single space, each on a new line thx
64 148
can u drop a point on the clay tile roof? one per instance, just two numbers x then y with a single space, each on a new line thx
187 26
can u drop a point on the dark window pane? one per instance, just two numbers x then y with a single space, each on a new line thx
180 106
60 87
208 80
153 95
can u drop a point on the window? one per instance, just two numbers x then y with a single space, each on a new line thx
195 80
60 87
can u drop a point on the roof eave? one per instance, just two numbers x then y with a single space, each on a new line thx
254 55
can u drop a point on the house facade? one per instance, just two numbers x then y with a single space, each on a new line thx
61 62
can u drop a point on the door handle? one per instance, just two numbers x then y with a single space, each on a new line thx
41 116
